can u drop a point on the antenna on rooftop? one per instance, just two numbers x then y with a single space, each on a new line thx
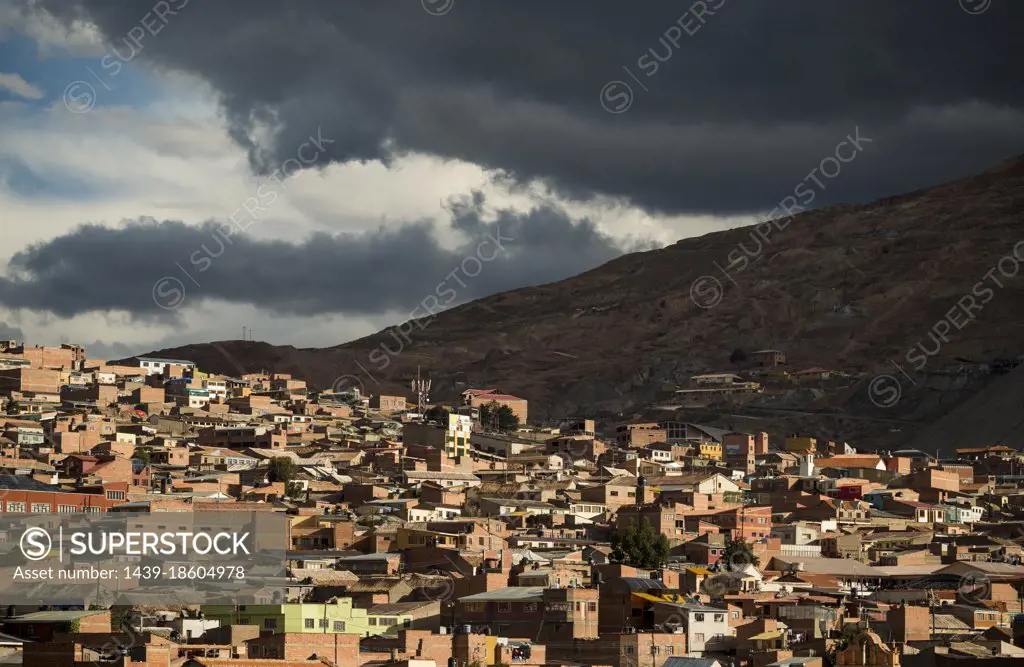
421 387
243 333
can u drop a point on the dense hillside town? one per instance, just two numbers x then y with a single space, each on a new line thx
425 534
590 333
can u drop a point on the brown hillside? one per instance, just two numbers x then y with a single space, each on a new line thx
849 287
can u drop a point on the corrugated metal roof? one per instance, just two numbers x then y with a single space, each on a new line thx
639 584
510 594
53 616
773 634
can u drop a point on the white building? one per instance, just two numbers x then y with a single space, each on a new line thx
155 366
193 628
707 628
218 387
716 378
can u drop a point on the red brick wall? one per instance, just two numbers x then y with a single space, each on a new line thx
909 623
95 623
50 357
104 394
760 443
338 648
36 380
79 500
118 470
423 644
388 403
149 395
78 442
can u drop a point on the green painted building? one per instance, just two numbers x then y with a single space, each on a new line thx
338 617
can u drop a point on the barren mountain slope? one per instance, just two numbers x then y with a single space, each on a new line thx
845 287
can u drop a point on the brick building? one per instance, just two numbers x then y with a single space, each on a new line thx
520 406
388 404
27 495
639 435
65 357
35 380
549 614
752 523
740 450
41 626
340 649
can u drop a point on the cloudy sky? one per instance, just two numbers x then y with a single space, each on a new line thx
173 171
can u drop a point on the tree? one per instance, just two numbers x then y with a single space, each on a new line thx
282 469
641 546
738 356
739 553
142 454
498 417
439 414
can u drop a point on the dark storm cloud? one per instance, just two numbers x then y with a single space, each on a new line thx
11 332
748 99
95 268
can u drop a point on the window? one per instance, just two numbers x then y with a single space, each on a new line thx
504 608
67 509
270 623
243 621
16 507
373 621
40 507
719 618
591 606
388 621
308 623
324 623
339 626
615 493
698 617
530 606
699 637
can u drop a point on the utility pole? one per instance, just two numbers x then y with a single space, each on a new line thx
931 607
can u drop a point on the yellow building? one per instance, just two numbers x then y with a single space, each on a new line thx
456 440
711 450
801 445
339 617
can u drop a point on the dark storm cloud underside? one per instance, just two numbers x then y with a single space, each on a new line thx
95 268
741 112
